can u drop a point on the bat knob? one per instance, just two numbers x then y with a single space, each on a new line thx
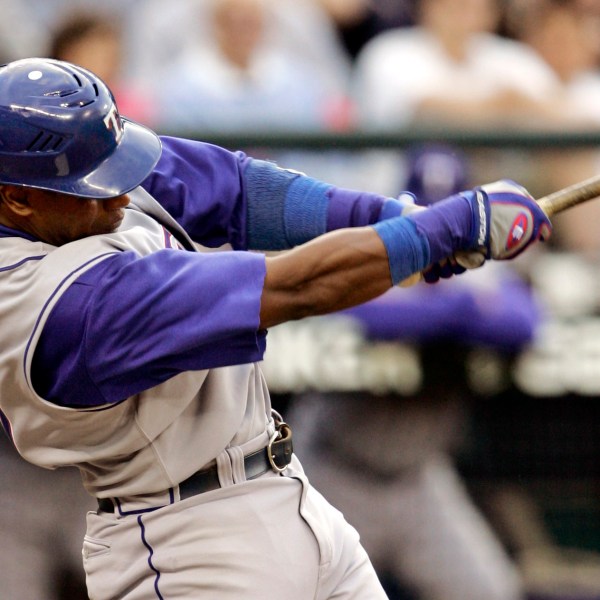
412 280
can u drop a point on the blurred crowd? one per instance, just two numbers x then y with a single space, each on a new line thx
326 64
222 66
200 67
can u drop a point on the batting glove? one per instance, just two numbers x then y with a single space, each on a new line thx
506 220
444 269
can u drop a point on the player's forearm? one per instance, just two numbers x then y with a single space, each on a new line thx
338 270
351 266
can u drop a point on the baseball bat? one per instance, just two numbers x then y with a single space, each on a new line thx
553 203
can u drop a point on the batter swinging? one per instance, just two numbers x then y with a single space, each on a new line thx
132 354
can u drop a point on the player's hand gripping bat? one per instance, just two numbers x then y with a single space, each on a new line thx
570 196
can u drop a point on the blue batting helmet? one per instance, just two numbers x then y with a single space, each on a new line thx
60 130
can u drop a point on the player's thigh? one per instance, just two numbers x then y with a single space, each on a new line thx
364 498
253 541
25 571
247 541
346 571
449 551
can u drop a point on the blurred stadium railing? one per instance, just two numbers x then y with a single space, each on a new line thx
386 139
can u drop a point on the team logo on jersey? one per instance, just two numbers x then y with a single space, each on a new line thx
517 230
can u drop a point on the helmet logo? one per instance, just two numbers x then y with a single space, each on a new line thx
113 123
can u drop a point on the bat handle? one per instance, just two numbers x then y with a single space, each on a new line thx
411 280
570 196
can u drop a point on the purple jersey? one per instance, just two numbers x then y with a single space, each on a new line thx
130 343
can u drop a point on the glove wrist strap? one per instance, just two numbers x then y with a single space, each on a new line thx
481 214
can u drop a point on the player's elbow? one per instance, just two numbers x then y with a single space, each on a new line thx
291 304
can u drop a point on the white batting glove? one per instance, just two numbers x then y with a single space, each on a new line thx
507 220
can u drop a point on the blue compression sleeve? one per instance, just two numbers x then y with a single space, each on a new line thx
224 197
434 234
407 249
286 208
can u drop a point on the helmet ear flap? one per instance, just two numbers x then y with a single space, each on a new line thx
60 130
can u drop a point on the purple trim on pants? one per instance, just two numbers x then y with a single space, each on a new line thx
150 555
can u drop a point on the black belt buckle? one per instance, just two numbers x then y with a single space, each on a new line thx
279 449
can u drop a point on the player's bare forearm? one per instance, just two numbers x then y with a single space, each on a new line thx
350 266
335 271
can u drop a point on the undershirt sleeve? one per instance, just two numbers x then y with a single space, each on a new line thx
223 197
201 186
131 323
286 208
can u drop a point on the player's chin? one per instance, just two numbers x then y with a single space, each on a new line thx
114 222
105 228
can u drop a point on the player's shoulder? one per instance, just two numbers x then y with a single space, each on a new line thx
180 155
188 147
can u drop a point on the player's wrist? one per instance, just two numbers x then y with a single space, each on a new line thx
448 225
408 250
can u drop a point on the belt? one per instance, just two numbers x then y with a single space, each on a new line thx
276 456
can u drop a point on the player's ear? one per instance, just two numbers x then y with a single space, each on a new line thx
14 198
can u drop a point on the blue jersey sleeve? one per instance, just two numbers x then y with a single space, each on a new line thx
131 323
201 186
223 197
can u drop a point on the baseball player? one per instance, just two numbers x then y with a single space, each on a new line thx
132 353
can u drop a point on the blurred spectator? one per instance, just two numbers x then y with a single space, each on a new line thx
436 171
21 35
95 41
358 21
42 530
302 28
32 22
237 77
451 68
565 33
